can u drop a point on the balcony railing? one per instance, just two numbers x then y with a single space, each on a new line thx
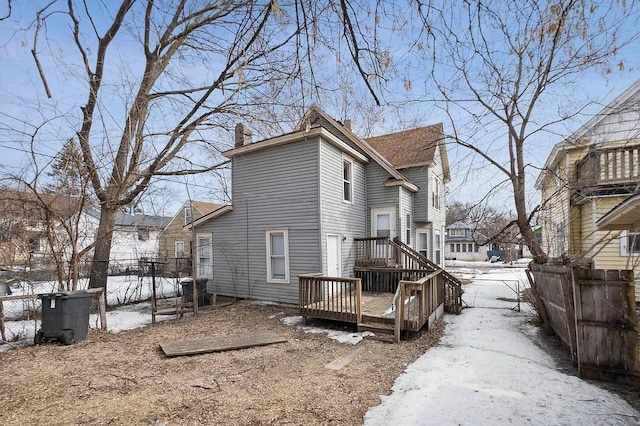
609 166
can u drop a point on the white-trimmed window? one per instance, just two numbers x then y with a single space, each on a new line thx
188 215
204 256
278 256
629 243
436 247
407 232
347 180
179 249
435 194
421 243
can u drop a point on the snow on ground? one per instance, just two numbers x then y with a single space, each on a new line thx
487 370
339 335
122 290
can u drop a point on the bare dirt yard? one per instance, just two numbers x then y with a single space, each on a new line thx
126 379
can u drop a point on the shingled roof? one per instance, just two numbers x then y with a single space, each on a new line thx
410 147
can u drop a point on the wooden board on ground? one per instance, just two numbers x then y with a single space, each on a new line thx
339 363
219 344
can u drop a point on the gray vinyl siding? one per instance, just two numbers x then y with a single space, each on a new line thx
275 188
420 177
406 207
436 216
337 133
379 195
336 216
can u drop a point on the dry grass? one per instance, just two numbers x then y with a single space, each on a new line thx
125 379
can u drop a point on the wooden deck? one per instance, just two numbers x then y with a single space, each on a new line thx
375 306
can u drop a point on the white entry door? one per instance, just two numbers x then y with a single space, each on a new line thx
334 256
383 222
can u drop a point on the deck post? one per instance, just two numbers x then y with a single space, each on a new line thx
399 312
102 307
359 301
2 331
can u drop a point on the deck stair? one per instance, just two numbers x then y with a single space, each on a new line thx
383 332
394 290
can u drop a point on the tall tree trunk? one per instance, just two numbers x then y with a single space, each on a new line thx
102 249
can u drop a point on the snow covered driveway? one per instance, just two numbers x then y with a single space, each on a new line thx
488 370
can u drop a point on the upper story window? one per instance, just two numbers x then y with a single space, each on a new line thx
188 215
347 180
143 234
407 237
435 194
456 232
278 256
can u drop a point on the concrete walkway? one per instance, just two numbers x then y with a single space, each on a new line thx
488 370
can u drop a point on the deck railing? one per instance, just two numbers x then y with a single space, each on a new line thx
385 280
375 251
416 302
452 285
333 298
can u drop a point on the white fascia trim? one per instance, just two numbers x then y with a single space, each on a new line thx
214 214
407 185
296 137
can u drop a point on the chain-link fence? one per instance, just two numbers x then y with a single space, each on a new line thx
495 294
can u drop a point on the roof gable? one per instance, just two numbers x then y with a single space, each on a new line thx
580 136
315 112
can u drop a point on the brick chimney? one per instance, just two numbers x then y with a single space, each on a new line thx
242 136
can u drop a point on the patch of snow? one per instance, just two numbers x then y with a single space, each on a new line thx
292 320
339 335
488 370
275 315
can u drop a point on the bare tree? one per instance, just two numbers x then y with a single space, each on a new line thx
161 79
506 73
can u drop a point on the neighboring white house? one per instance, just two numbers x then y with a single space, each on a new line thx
462 242
135 236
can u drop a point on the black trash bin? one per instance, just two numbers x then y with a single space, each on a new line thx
187 290
65 316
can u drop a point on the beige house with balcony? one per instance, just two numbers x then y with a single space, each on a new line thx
585 177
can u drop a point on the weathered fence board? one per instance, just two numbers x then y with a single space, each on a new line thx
593 312
553 285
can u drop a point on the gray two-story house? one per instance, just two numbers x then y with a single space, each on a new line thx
300 202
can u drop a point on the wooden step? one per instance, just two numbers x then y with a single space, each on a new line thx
386 338
378 328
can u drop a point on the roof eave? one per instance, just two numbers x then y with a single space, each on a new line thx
403 183
296 137
214 214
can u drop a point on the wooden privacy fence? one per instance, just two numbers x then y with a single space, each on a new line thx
594 313
332 298
418 302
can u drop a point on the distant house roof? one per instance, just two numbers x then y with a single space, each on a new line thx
414 147
204 207
624 216
135 220
33 206
460 225
211 215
